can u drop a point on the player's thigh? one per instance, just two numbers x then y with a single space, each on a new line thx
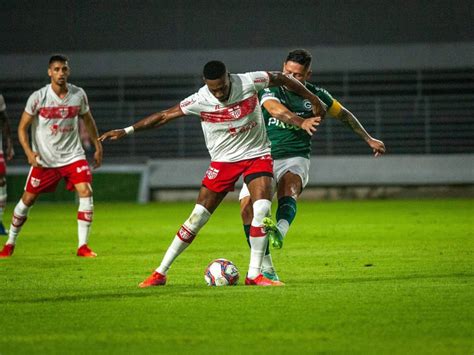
210 199
260 188
290 184
291 175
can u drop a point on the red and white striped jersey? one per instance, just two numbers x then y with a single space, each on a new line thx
234 130
55 130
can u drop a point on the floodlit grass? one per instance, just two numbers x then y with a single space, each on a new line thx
361 277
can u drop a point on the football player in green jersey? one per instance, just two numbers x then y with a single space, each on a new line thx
291 148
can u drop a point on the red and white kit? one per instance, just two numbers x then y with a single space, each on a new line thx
55 130
55 137
234 130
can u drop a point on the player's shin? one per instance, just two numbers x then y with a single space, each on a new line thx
184 237
84 219
286 213
258 237
20 214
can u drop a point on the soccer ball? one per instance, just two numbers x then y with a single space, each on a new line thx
221 272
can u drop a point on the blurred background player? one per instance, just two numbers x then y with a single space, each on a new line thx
291 148
235 136
5 137
56 152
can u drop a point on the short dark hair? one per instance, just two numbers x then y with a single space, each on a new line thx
58 58
214 70
300 56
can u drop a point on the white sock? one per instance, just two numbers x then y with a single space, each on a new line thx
258 237
20 214
84 219
186 234
283 226
267 263
3 200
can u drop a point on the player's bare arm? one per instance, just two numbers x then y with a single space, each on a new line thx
7 135
91 127
280 79
345 116
281 112
25 122
155 120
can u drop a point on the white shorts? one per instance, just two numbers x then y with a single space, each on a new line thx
296 165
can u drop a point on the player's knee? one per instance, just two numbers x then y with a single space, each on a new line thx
246 210
29 199
3 181
198 218
84 190
261 209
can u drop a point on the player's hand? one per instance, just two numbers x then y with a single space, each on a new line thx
34 160
112 135
310 124
377 147
98 156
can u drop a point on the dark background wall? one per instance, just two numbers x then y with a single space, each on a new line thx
38 26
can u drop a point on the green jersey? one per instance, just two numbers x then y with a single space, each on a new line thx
288 140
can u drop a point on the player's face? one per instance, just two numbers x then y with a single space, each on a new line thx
220 88
59 72
298 71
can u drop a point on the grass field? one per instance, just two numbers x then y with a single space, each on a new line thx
381 277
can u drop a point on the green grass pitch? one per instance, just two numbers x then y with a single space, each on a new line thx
378 277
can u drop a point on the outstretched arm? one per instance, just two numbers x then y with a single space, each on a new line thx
281 112
154 120
348 118
280 79
91 127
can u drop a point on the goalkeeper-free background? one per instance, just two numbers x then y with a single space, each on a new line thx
361 277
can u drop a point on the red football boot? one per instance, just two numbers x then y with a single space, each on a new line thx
261 280
7 250
156 279
85 252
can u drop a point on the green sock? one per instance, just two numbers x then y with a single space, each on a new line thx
286 209
247 235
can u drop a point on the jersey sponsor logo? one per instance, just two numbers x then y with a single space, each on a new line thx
212 173
186 103
80 169
56 129
262 79
35 182
272 121
233 112
233 131
62 112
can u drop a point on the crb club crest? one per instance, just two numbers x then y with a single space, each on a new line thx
63 111
235 111
211 173
35 182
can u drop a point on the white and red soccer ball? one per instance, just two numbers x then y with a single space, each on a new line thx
221 272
